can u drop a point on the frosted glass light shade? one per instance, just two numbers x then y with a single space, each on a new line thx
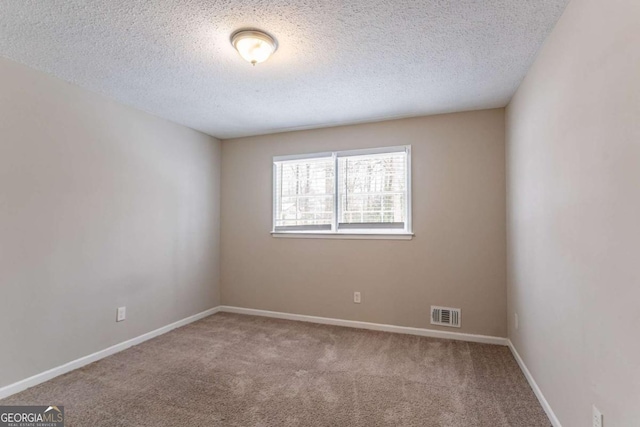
254 46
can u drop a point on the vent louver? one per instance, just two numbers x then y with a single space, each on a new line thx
445 316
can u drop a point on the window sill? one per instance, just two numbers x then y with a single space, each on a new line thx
346 236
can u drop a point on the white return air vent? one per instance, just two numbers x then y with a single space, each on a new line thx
445 316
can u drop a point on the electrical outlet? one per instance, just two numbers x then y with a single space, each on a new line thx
121 314
357 298
517 322
597 417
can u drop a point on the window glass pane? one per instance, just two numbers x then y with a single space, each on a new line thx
304 192
372 189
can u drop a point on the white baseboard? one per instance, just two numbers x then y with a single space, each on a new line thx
545 405
19 386
366 325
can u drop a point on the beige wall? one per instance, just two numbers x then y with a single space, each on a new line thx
101 206
573 133
456 259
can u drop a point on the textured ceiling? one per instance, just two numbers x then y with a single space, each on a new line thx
338 61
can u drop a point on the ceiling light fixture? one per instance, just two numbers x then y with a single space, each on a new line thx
253 45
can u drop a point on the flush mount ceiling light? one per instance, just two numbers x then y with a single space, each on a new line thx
253 45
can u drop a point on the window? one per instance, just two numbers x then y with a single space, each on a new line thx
364 192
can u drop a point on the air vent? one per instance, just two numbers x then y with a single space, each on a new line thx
445 316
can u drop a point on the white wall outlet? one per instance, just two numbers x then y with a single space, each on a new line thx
517 322
122 314
357 297
597 417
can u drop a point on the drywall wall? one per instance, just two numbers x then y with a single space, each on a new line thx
456 259
101 206
573 133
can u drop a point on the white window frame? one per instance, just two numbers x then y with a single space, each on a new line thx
382 234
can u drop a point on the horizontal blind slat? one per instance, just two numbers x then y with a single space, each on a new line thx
370 225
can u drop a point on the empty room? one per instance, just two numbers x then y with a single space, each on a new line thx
320 213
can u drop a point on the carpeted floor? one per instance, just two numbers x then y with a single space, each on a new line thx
235 370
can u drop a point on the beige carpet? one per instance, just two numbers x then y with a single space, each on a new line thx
234 370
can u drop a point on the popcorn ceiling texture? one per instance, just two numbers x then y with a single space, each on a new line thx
338 61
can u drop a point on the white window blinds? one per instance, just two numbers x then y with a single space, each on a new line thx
304 194
372 191
360 191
